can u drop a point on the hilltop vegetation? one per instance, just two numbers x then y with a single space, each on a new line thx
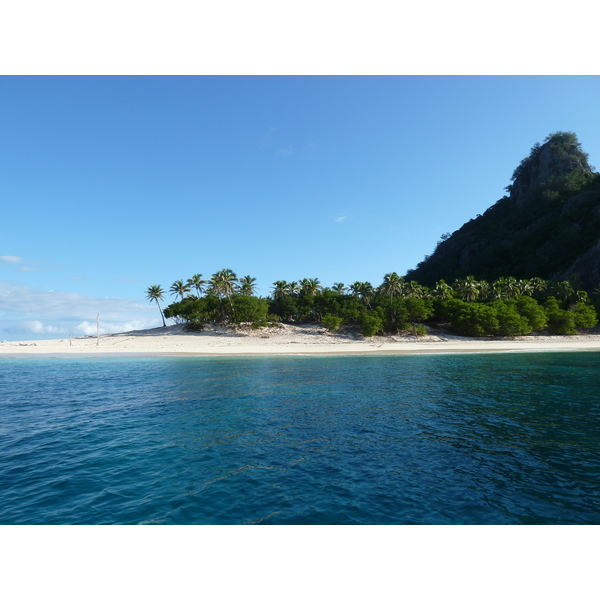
548 226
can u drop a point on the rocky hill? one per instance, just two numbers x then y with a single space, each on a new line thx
548 226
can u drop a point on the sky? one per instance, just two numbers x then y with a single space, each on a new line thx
110 184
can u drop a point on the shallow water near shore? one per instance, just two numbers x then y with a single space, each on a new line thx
423 439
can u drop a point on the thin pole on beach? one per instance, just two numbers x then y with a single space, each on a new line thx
98 329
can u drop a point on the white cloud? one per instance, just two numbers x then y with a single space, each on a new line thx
340 219
39 327
28 311
86 328
10 259
285 151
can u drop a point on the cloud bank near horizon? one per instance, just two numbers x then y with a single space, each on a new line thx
28 313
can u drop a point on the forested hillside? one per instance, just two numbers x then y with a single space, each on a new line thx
548 225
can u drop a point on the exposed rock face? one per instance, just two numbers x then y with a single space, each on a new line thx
549 225
546 166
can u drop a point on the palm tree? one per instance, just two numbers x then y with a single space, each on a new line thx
281 289
525 287
294 288
498 289
180 288
156 293
393 285
564 290
468 288
511 286
311 287
443 289
247 285
364 290
539 285
224 283
339 288
414 290
196 281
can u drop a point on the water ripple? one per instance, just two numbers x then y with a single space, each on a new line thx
481 439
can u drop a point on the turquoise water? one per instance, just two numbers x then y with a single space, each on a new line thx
437 439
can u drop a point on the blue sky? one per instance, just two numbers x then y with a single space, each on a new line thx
112 184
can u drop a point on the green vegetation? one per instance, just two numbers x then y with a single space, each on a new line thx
526 265
505 307
546 227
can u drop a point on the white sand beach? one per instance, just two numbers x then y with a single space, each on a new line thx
285 340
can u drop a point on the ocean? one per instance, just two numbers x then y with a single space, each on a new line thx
511 438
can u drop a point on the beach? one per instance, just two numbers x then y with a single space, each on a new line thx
283 339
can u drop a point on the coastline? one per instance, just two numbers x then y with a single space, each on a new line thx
284 340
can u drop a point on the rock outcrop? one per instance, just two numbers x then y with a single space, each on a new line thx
548 226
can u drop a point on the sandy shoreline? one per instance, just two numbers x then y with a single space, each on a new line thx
285 340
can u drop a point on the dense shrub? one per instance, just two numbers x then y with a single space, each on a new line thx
510 322
533 312
585 315
332 323
560 321
249 309
370 325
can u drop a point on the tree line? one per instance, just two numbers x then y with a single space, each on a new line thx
504 307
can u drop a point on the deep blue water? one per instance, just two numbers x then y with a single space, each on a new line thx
436 439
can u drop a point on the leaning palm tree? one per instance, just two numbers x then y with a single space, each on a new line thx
156 293
196 282
248 285
180 288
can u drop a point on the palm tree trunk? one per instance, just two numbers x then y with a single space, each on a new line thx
231 306
161 314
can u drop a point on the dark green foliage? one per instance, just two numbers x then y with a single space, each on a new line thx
533 312
332 323
585 315
419 309
506 307
550 219
476 320
510 322
285 307
419 330
249 309
197 312
370 325
560 321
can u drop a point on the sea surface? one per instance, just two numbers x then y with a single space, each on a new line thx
432 439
